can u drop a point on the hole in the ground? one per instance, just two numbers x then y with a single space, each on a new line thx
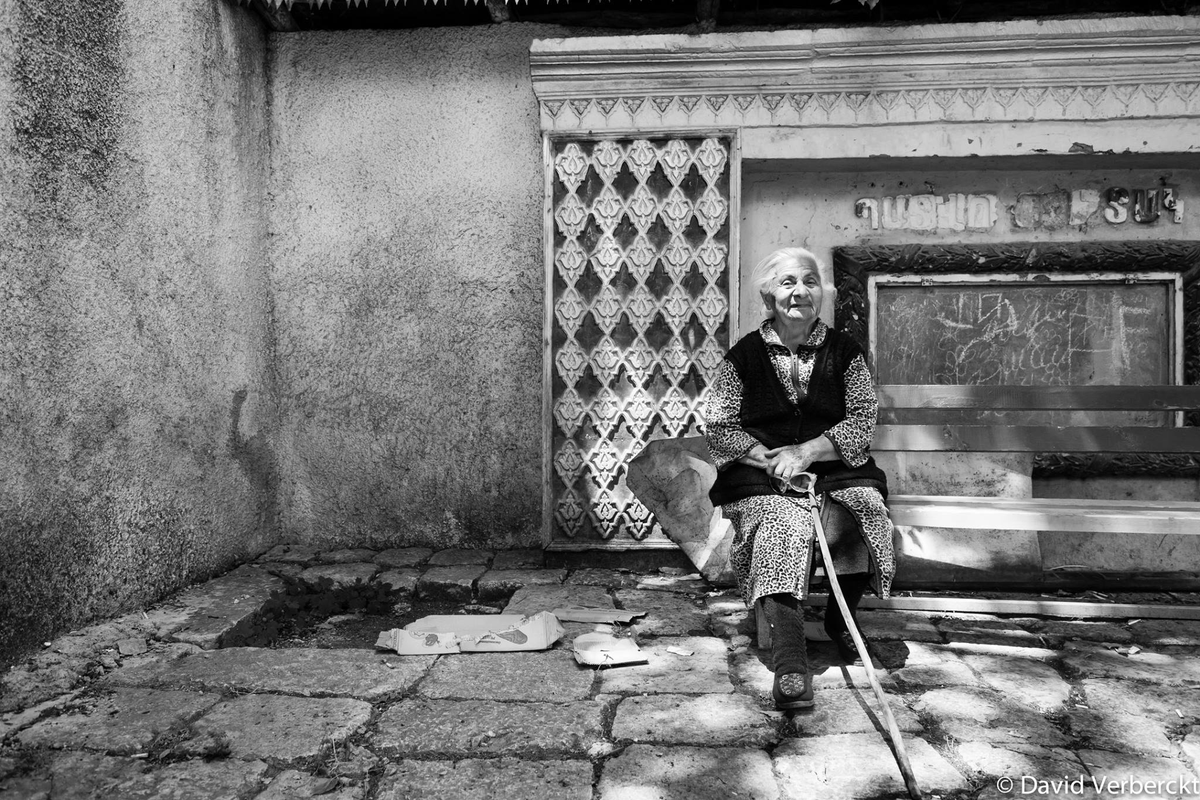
342 617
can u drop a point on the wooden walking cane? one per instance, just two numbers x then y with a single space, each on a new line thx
898 750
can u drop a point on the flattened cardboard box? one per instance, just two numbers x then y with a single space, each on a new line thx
473 633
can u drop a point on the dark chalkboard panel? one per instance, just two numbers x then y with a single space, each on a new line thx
1044 334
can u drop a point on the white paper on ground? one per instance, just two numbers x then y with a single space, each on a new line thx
606 650
473 633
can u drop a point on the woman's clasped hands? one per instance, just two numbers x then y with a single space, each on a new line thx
786 463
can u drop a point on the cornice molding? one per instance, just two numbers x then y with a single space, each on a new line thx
1063 69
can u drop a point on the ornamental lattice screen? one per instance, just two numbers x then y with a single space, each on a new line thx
639 299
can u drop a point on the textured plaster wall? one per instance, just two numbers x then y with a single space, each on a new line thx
408 286
133 305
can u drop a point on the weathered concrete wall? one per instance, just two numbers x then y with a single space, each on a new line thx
133 305
408 286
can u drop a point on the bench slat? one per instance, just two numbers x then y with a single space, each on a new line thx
1094 398
1036 439
1003 513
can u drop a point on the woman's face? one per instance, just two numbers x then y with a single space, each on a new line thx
797 295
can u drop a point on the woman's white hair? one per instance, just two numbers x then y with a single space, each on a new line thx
765 275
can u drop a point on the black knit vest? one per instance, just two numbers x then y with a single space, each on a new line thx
768 415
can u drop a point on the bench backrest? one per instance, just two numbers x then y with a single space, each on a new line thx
998 436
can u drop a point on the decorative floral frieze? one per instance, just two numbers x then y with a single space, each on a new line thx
992 103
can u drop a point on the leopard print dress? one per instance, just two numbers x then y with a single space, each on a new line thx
773 535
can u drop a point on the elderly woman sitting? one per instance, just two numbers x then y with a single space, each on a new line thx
795 396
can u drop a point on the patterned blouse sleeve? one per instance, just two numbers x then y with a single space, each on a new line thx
852 436
726 440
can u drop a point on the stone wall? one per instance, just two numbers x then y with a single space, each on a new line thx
133 305
408 286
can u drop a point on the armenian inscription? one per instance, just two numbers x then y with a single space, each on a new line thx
929 213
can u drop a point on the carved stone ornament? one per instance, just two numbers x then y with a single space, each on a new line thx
1094 69
853 267
639 282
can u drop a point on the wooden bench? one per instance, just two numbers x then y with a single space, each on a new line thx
1115 516
1038 515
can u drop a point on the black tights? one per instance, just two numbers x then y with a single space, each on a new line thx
853 586
786 618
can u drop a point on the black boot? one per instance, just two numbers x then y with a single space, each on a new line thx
789 654
853 586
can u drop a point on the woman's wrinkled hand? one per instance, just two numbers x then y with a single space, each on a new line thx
785 463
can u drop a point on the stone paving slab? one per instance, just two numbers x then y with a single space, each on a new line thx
16 721
284 730
1084 630
90 776
123 722
728 615
402 581
1167 704
487 727
1008 651
1115 774
215 609
89 642
713 720
1166 632
667 613
282 569
291 553
450 583
1190 746
887 625
988 630
1014 760
691 584
197 780
499 584
29 684
592 576
837 675
971 714
1095 661
1030 682
399 557
460 558
291 784
550 675
531 599
339 576
1127 734
853 711
526 558
704 671
859 765
651 772
347 556
487 779
361 674
934 665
